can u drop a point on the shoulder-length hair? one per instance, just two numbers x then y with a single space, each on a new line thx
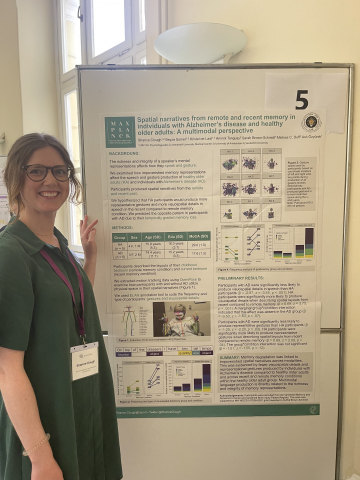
19 156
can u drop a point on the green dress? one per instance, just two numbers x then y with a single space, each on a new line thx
37 316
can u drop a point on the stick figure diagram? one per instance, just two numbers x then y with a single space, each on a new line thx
129 317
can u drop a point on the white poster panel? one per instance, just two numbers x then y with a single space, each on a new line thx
213 232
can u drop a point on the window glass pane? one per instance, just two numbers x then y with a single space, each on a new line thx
72 141
108 24
72 53
142 15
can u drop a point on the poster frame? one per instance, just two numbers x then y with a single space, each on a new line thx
340 331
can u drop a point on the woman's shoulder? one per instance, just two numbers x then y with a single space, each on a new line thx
10 249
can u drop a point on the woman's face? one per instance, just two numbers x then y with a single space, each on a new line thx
49 194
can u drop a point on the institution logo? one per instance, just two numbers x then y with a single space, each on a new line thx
314 410
311 122
120 132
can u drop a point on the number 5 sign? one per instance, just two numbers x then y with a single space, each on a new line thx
307 92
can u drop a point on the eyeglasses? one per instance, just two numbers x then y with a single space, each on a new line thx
36 173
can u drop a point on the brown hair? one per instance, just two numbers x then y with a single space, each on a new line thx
20 154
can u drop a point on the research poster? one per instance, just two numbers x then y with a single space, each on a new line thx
212 224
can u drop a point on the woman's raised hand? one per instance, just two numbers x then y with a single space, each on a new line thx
87 235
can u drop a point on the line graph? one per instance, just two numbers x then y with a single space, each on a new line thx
254 242
154 377
132 378
231 244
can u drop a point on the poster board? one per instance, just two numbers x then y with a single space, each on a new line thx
107 92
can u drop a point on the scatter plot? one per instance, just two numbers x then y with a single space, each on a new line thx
271 160
230 161
271 212
229 213
230 164
249 188
250 212
230 189
271 187
250 160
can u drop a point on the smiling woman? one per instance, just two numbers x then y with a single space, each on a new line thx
43 194
59 422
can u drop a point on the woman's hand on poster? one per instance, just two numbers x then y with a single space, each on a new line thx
87 235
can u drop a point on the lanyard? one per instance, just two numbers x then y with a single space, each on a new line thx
80 319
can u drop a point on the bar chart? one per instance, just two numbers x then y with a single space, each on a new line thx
202 377
293 242
283 241
192 377
304 242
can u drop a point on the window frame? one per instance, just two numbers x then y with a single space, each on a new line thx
62 40
69 219
127 53
139 37
117 49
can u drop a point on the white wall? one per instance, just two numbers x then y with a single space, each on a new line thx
285 31
38 70
37 66
10 94
28 100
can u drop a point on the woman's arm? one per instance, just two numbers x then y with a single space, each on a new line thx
21 406
87 234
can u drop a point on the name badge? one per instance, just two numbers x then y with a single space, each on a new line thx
84 360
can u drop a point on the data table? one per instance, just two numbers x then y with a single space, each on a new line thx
126 246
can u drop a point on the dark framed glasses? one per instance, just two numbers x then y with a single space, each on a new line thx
36 173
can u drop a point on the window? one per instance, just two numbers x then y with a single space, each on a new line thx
93 32
108 29
71 35
72 143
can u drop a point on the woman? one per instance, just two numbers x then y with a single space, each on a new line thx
52 427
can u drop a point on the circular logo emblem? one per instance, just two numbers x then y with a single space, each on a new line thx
81 355
311 122
313 410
